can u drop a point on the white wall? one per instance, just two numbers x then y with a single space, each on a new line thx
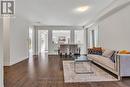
114 31
110 8
16 36
1 52
103 14
6 40
19 39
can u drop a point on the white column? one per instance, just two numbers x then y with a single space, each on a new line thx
39 41
50 45
85 40
33 41
72 35
36 41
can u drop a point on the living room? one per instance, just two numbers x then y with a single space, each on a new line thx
69 43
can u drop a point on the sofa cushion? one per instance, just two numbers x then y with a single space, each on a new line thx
102 60
108 53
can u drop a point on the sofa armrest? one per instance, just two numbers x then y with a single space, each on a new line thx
123 64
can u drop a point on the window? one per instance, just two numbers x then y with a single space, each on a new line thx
61 36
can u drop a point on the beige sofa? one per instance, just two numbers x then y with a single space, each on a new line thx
120 67
104 62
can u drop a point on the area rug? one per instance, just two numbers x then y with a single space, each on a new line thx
98 74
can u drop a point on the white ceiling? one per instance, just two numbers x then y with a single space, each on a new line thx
60 12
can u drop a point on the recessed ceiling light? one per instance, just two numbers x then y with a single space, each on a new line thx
82 8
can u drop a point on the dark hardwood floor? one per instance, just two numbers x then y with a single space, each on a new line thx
44 71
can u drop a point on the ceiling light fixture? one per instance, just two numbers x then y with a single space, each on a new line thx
82 8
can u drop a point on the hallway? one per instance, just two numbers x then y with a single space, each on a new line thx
46 71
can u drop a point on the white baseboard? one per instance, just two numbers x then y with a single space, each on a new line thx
52 53
18 60
6 64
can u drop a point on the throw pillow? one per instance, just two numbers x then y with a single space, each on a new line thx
108 53
95 50
124 52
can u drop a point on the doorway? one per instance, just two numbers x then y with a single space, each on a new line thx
42 41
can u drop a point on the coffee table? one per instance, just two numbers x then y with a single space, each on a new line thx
81 59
